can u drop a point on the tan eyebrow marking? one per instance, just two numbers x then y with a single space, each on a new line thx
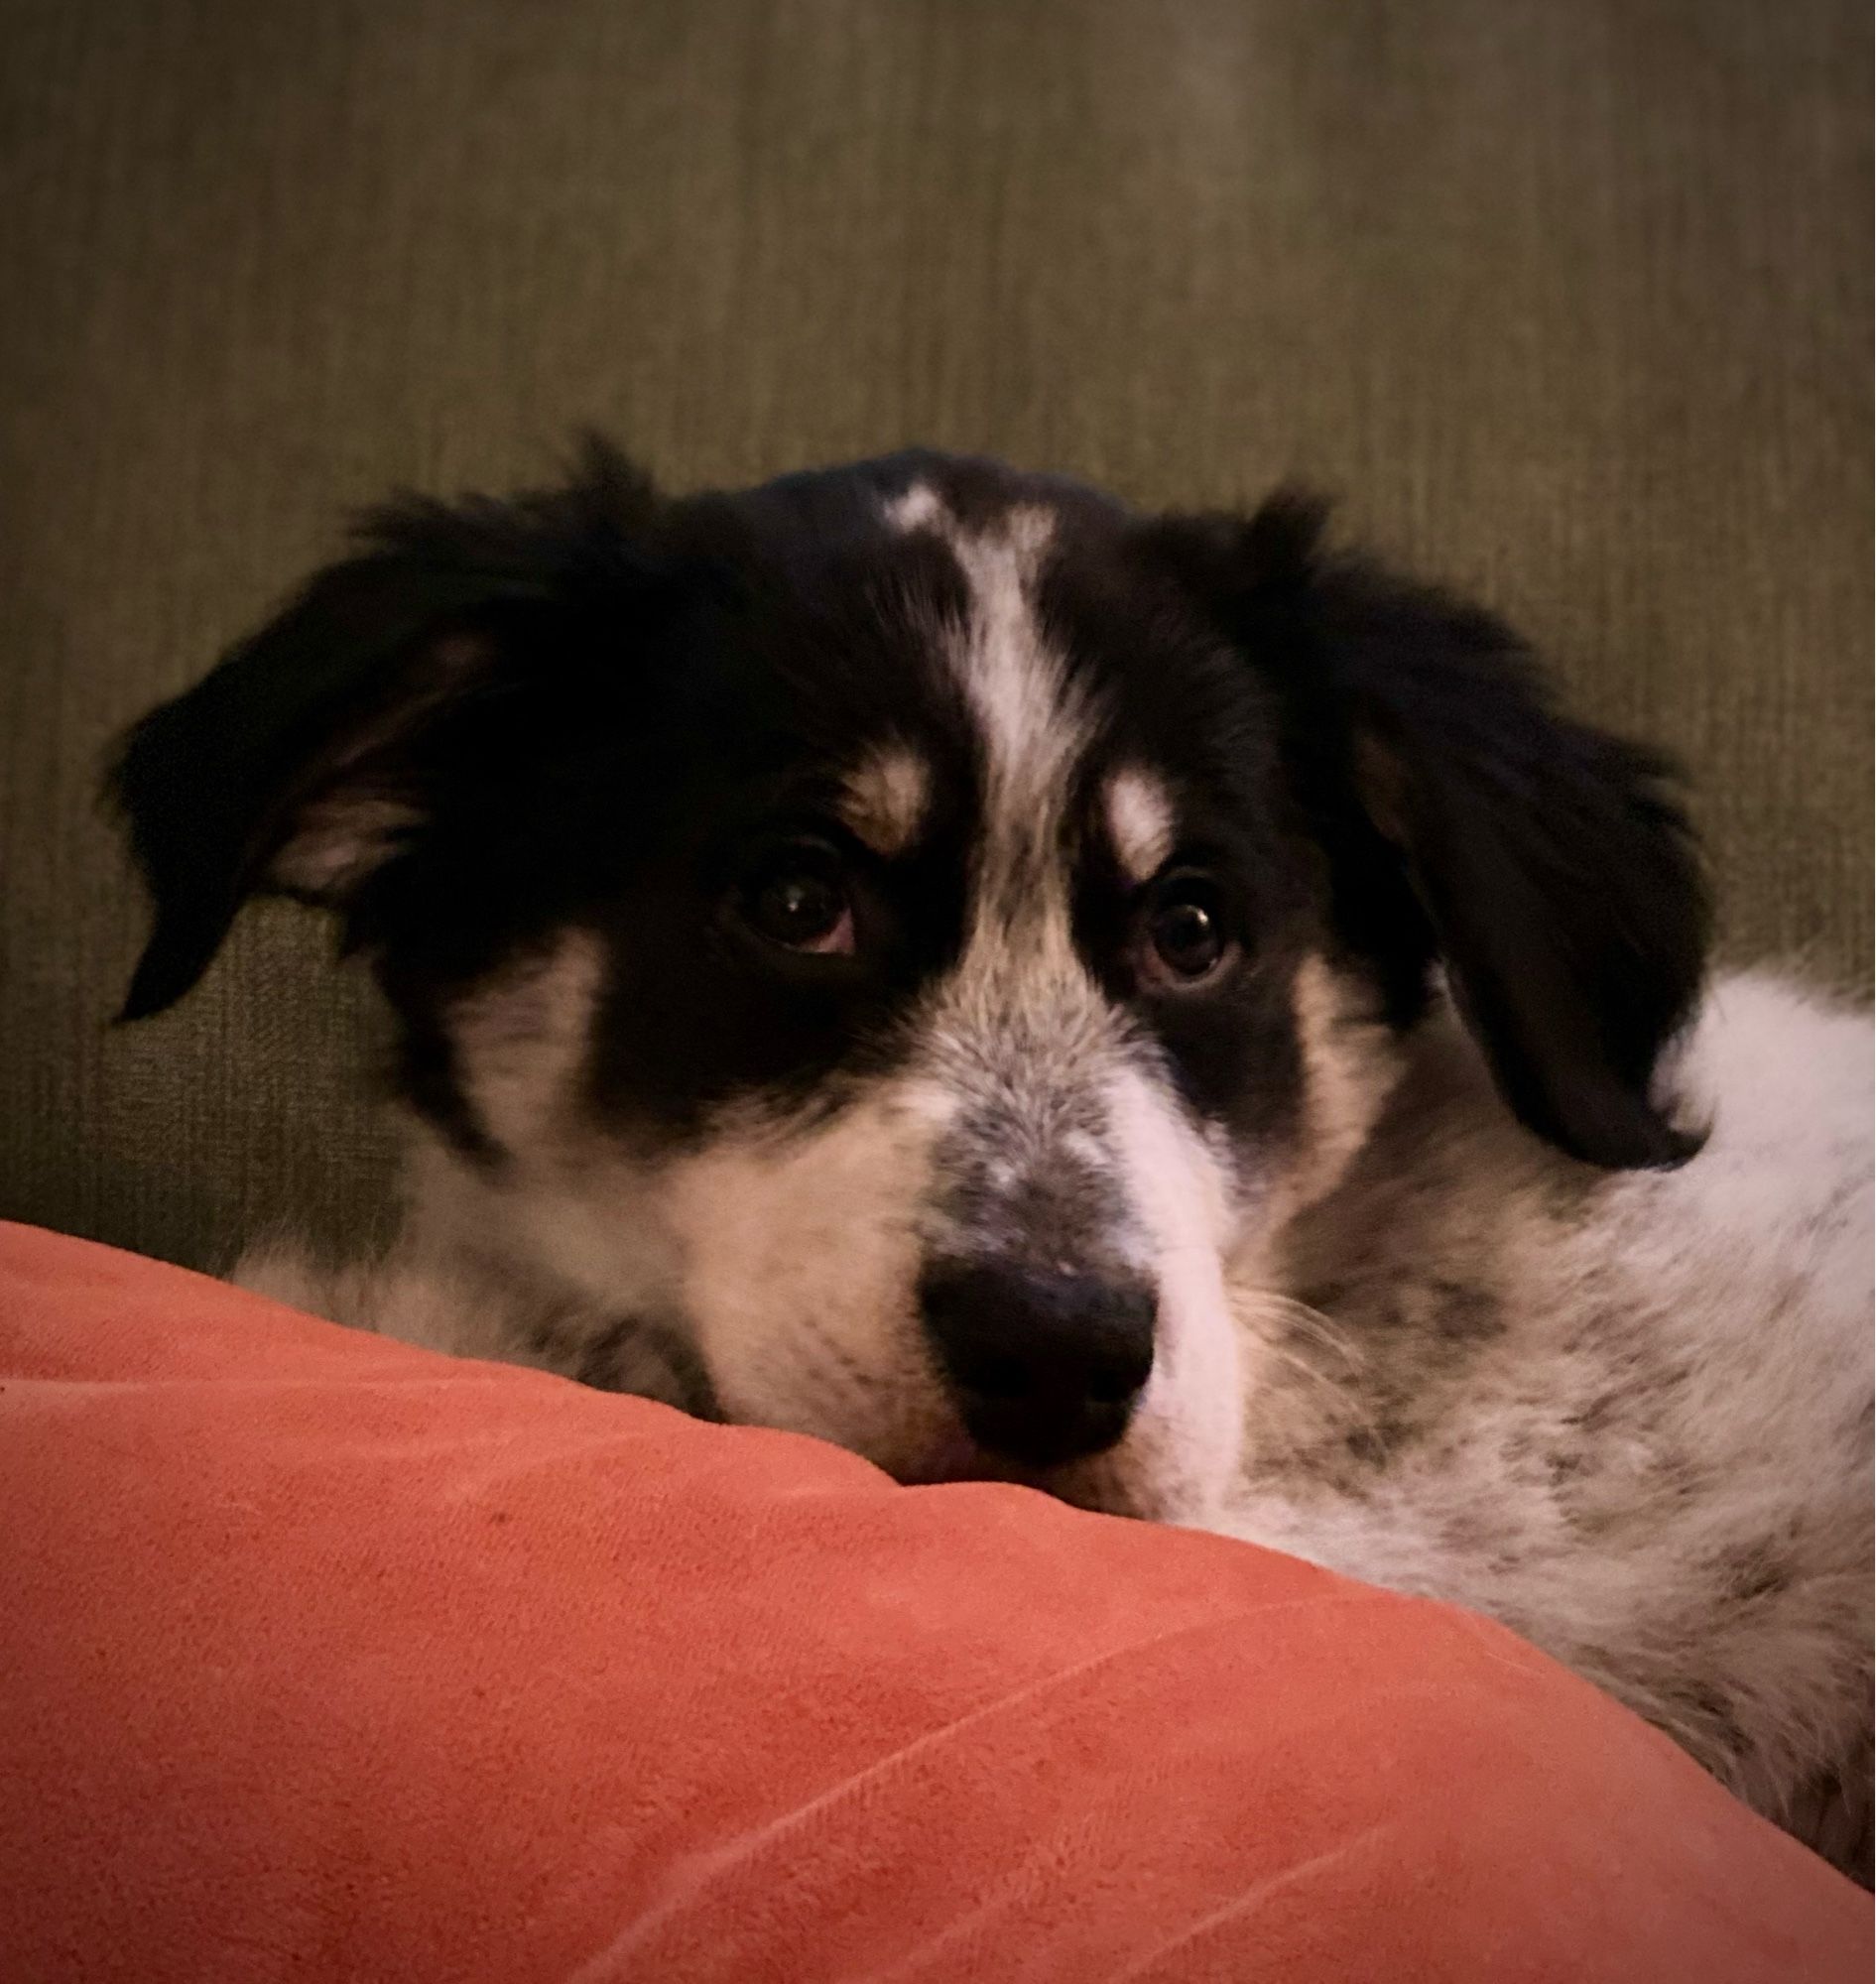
1140 821
885 799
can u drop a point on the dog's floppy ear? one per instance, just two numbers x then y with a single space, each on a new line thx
1548 864
304 762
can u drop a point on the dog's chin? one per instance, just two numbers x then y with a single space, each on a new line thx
1109 1483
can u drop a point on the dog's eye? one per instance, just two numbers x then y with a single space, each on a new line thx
800 902
1186 937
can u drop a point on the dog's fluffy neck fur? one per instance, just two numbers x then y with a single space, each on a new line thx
1467 1362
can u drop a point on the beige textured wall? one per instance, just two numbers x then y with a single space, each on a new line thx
1571 301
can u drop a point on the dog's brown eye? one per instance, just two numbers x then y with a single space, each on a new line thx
800 903
1185 930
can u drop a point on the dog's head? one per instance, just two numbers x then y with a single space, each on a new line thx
911 933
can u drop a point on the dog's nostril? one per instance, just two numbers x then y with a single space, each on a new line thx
1046 1366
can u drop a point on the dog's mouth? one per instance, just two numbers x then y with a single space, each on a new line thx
956 1457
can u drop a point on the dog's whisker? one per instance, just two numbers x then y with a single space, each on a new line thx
1313 1323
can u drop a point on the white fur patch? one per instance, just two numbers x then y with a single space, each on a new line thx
915 509
1032 728
1181 1456
1655 1464
1017 968
1015 686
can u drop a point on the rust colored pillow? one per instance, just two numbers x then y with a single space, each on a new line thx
327 1658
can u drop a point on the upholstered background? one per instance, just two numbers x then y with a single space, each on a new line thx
1571 301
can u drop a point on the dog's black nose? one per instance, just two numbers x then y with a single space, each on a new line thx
1046 1366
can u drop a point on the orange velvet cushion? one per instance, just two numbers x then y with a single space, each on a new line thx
325 1658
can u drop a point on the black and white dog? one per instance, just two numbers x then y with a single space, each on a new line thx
923 955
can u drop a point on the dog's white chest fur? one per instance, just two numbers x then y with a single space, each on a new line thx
1628 1416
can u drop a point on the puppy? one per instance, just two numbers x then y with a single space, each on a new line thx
1147 1007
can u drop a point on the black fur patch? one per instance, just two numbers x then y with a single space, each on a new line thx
597 708
1464 817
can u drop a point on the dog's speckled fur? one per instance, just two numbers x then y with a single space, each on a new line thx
1450 1294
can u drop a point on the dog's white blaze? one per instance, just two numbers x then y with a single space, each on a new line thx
1013 682
1140 823
1031 729
1021 1022
885 799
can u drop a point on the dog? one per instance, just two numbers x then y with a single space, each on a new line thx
1151 1006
